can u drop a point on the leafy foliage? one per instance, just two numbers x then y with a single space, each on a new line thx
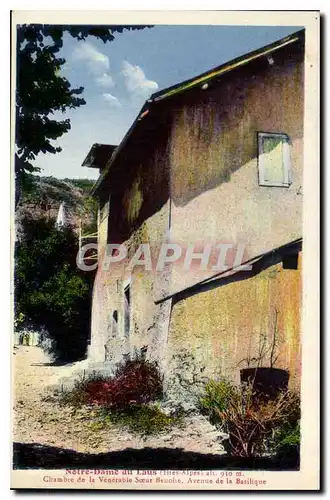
50 291
123 400
41 90
136 382
217 396
254 424
287 436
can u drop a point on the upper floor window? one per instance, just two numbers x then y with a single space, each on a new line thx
274 159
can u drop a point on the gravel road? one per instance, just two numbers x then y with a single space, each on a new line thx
37 420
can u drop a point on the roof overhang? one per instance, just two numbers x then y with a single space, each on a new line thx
265 51
198 81
287 248
98 156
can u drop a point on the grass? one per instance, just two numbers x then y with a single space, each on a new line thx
143 420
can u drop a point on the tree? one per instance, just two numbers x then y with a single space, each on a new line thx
50 291
41 90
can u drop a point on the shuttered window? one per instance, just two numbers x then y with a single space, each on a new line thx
274 159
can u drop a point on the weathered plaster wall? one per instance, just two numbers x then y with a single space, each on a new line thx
102 232
219 331
215 192
139 213
207 164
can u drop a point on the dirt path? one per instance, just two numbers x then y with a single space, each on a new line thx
46 423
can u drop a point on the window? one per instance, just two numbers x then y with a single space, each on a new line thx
115 323
290 261
127 299
274 159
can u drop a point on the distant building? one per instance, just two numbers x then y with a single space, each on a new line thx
61 220
28 338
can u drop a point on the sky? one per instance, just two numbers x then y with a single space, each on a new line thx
120 75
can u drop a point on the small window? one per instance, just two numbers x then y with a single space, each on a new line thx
115 323
274 159
290 261
127 306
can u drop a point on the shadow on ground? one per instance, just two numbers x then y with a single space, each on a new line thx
37 456
54 363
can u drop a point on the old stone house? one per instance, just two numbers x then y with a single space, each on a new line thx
218 158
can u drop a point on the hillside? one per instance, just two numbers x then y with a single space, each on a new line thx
41 197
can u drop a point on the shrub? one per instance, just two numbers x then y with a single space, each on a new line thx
217 397
124 399
78 395
287 437
136 382
254 424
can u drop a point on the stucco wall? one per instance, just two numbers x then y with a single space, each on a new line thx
219 331
138 213
197 181
215 193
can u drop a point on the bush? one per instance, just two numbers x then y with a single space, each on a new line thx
136 382
124 399
217 397
254 424
287 438
77 396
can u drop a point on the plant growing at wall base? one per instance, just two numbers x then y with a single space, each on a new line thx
254 424
217 396
136 382
126 399
267 350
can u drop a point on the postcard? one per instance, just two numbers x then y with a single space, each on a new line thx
165 243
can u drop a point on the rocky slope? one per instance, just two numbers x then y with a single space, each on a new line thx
41 197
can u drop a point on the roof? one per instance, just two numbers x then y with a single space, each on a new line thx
98 156
200 80
295 246
225 68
